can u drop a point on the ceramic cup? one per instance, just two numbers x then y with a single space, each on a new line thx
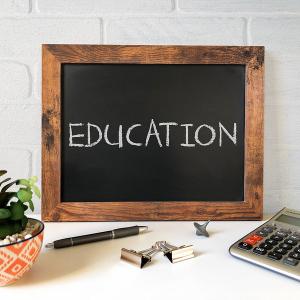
17 258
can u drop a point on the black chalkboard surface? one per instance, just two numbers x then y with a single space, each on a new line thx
152 132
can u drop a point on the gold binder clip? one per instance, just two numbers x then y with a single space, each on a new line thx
175 254
140 258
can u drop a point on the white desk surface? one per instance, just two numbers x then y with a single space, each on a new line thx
94 271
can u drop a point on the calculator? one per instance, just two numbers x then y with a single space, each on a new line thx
275 245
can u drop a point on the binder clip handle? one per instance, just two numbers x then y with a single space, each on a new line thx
138 258
175 254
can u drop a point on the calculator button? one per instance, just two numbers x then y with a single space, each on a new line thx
277 238
260 251
297 234
253 239
261 233
297 250
271 242
256 237
268 229
282 234
274 255
290 242
250 241
290 261
288 231
280 251
294 237
266 246
244 246
285 246
294 255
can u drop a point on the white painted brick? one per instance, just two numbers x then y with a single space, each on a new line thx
104 6
15 81
281 174
274 200
281 38
282 80
214 31
279 35
36 161
281 167
239 5
37 79
16 161
23 37
14 7
20 124
282 124
36 171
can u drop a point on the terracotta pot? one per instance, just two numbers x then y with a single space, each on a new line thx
17 258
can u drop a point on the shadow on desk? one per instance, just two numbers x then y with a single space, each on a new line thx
55 264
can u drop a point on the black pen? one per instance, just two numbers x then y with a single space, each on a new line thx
97 237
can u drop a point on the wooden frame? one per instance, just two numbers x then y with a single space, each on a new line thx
55 210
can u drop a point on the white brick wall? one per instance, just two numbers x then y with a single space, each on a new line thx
97 7
15 81
26 24
237 6
14 7
17 160
184 30
22 37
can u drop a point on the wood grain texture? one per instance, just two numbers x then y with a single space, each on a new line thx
55 210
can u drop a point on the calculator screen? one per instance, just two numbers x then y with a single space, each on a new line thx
289 220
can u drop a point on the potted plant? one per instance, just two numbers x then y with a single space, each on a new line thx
20 236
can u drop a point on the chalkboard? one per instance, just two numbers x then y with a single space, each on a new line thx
128 94
152 132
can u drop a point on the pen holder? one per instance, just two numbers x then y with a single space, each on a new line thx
17 258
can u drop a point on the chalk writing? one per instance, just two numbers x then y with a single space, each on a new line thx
82 137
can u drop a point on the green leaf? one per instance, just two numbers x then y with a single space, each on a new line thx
2 172
6 229
33 180
25 207
24 222
4 213
17 211
24 182
36 191
5 197
6 187
16 227
31 205
6 179
24 195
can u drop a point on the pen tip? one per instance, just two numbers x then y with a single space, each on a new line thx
143 228
49 245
